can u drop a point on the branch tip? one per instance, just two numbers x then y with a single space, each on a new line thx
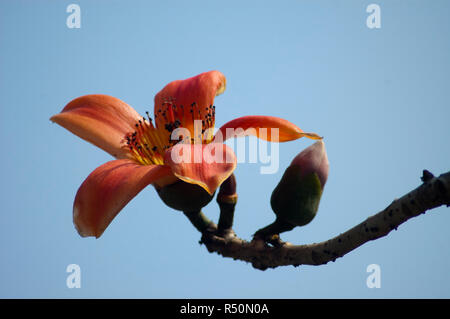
426 176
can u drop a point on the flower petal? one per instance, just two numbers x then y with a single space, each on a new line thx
107 190
260 126
102 120
206 165
192 98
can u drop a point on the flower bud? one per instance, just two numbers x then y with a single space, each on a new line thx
184 196
296 198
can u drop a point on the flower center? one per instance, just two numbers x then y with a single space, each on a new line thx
148 142
171 116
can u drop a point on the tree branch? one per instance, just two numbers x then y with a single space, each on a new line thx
434 192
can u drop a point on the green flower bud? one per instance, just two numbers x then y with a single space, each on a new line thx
296 198
184 197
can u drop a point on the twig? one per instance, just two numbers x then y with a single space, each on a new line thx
434 192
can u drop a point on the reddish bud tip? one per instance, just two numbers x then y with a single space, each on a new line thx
313 160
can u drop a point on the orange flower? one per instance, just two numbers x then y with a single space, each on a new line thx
143 150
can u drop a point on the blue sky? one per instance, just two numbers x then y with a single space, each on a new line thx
379 96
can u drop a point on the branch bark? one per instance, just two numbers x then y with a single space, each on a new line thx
432 193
